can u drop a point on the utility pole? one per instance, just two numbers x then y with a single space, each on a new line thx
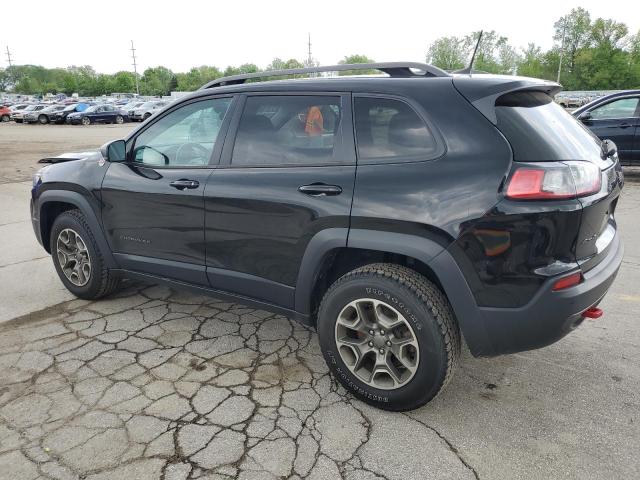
309 59
564 31
135 67
9 57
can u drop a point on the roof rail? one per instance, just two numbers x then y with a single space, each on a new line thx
393 69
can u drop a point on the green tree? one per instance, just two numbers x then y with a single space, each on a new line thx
157 81
357 58
494 54
448 53
123 82
607 33
532 62
575 29
244 68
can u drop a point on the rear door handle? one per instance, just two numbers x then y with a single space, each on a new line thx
320 190
183 183
624 125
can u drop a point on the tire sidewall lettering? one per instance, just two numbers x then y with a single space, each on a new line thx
400 306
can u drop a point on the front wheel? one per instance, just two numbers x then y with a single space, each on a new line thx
78 259
6 118
86 121
43 119
389 336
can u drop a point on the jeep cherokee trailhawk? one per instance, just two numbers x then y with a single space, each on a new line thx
396 214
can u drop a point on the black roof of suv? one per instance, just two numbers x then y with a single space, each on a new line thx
395 214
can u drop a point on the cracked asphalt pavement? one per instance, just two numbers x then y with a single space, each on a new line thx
161 384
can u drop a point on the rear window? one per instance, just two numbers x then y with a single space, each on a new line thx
539 129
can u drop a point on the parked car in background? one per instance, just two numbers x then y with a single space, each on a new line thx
98 114
61 116
18 106
147 109
5 114
615 117
42 116
18 116
131 106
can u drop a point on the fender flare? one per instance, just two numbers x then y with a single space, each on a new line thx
429 252
320 245
79 201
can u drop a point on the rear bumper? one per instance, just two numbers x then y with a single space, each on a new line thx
545 319
550 315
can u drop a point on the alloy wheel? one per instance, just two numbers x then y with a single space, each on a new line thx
377 343
73 257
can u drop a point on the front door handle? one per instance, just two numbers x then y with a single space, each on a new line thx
624 125
183 183
320 190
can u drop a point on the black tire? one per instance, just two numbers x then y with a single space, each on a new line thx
43 119
146 115
119 119
102 281
86 121
427 311
6 118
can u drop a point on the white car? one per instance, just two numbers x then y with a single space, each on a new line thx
147 109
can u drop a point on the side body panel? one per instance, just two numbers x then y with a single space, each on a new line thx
259 226
436 199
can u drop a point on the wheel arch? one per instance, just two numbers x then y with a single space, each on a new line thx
330 255
52 203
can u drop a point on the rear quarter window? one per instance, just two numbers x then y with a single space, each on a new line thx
539 129
391 130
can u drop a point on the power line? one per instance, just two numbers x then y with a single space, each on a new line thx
9 57
564 31
135 67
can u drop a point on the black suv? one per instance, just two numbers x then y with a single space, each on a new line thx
395 214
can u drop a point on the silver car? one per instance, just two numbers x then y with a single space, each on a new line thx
147 109
42 116
18 116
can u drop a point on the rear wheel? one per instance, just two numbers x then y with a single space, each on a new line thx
389 336
86 121
119 120
78 259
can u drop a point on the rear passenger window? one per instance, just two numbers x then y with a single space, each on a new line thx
286 130
390 129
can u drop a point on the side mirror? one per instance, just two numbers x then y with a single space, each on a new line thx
609 149
585 116
114 151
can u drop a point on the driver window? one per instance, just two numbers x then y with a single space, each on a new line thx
185 137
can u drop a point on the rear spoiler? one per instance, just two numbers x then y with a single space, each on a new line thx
483 90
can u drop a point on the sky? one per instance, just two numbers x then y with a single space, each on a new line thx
186 33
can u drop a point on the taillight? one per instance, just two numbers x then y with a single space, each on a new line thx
565 180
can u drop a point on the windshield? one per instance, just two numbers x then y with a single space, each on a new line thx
539 129
92 109
148 105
